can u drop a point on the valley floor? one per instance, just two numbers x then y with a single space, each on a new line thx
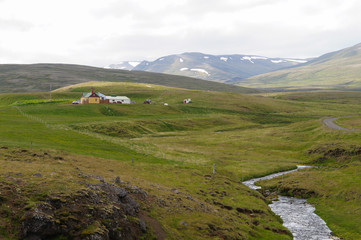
168 153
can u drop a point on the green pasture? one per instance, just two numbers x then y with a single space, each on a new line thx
176 145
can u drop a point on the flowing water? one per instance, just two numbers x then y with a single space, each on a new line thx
297 215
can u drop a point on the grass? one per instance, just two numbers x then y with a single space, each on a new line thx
160 148
352 123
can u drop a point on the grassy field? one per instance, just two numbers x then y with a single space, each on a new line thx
352 123
160 148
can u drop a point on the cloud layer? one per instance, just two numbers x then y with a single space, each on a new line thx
98 33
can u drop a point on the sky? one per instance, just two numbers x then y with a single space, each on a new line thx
103 32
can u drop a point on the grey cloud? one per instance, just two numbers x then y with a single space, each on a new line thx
15 25
144 42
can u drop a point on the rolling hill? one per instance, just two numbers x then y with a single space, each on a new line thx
39 77
340 70
220 68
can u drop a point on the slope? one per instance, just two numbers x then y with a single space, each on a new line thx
338 70
166 150
39 77
146 145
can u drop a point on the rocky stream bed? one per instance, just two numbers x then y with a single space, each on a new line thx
297 215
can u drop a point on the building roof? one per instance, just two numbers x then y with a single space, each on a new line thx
117 98
87 95
101 95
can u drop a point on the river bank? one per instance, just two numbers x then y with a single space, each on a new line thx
297 215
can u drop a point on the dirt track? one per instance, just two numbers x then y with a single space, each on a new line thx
330 124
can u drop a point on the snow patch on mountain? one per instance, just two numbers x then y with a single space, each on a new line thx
277 61
205 57
181 60
224 59
259 57
296 60
247 58
200 70
135 63
184 69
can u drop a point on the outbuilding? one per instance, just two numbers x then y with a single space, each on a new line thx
187 100
118 99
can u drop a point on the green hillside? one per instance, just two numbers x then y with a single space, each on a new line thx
55 154
333 71
39 77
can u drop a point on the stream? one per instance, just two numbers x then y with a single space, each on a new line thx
297 215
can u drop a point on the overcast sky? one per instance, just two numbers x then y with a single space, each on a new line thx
101 32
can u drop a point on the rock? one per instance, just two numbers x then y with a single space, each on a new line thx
18 174
38 225
162 202
37 175
184 223
95 237
103 207
117 180
190 198
139 191
175 191
142 224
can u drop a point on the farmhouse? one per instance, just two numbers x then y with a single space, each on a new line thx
99 98
90 98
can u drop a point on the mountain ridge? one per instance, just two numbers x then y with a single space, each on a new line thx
226 68
338 70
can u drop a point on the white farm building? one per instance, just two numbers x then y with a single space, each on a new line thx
118 99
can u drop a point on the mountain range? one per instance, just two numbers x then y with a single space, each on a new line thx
126 65
220 68
339 70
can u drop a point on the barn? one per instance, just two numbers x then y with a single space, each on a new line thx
118 99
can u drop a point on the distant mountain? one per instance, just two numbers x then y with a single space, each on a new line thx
340 70
221 68
39 77
124 65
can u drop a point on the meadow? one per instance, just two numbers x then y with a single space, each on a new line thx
165 147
